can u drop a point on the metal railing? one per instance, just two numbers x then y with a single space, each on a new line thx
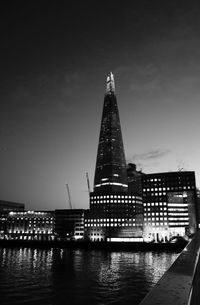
180 283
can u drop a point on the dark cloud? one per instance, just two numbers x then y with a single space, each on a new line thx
154 154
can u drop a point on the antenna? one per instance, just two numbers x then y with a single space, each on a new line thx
70 203
88 183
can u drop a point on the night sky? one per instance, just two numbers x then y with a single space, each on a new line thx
54 58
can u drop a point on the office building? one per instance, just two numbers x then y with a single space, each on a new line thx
69 224
169 201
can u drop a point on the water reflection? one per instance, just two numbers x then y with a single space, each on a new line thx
56 276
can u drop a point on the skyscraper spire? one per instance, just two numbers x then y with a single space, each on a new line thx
110 173
110 84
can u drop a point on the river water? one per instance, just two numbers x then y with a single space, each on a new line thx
79 276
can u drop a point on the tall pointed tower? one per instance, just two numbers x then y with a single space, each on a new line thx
110 173
115 214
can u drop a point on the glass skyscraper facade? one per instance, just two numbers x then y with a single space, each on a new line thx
110 173
115 214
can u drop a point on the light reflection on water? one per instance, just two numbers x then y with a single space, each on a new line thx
55 276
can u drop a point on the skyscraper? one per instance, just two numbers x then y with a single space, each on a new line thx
110 173
115 214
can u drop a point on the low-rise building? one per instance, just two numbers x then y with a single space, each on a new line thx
5 208
69 224
30 225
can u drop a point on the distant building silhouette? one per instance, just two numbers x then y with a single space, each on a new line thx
134 179
11 206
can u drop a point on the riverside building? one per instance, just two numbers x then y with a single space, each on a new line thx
115 214
169 201
69 224
5 208
30 225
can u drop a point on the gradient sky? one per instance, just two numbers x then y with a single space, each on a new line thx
54 57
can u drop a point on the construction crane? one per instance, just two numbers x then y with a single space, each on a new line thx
88 183
69 197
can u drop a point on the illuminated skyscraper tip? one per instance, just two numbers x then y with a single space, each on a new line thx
110 83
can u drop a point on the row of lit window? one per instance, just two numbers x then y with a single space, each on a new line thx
178 214
178 218
171 188
38 225
31 219
155 194
178 223
155 189
114 224
178 209
181 204
31 231
115 196
115 201
155 218
155 213
155 203
107 219
28 212
153 179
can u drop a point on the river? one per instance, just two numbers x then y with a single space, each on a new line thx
79 276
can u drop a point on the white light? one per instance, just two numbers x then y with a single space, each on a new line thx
111 183
177 205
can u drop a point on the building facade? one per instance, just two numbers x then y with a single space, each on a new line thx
69 224
5 208
30 225
169 201
198 207
114 217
